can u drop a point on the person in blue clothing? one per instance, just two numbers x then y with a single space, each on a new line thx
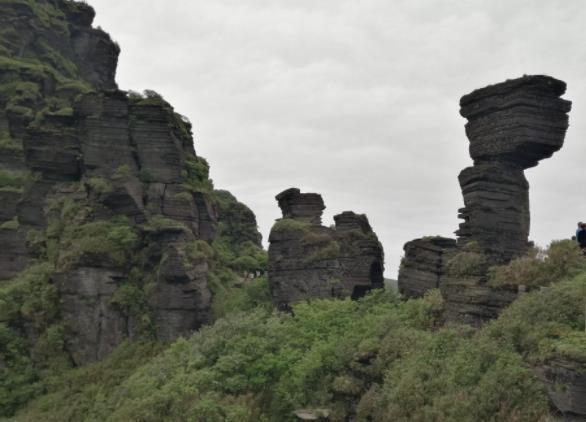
581 236
578 229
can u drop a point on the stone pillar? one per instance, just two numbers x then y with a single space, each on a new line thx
511 126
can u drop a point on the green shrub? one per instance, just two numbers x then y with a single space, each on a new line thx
330 250
158 223
541 267
10 224
28 300
122 173
290 226
113 240
196 252
196 176
545 323
467 263
98 185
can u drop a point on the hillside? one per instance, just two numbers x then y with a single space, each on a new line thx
132 289
379 358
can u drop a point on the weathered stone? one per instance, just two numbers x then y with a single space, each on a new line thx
307 260
520 121
361 254
94 327
565 380
496 211
92 156
511 126
303 206
422 266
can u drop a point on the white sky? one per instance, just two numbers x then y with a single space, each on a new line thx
355 99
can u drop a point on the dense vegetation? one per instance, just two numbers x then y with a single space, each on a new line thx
379 358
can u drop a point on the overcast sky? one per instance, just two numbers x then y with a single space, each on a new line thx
355 99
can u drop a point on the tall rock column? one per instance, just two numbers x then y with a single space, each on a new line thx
511 126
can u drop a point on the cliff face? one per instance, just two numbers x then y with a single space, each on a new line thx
102 192
308 260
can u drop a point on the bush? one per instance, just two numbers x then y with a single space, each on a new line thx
113 240
541 267
196 175
469 261
289 226
330 250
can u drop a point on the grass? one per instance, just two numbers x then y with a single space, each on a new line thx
290 226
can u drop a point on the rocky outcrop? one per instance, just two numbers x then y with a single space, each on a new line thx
565 380
511 126
308 260
422 267
103 186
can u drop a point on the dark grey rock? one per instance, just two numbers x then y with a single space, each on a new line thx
422 267
310 261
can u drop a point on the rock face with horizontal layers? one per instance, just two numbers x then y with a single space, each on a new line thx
422 267
511 126
102 186
308 260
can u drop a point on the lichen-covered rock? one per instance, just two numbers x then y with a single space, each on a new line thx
422 267
308 260
565 380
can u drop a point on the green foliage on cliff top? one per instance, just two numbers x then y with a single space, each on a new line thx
290 226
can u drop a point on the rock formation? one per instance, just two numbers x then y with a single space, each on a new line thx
422 268
565 380
308 260
101 186
511 126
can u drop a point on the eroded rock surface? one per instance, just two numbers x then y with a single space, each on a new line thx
308 260
511 126
101 185
422 267
565 380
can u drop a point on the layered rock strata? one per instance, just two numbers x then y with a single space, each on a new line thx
422 267
101 186
511 126
308 260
